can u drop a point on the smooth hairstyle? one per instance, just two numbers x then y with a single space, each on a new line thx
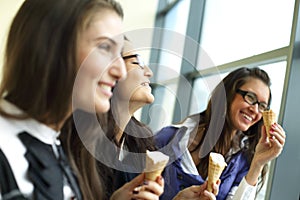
40 63
40 67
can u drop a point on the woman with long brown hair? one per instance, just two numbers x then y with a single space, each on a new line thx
232 126
53 46
130 138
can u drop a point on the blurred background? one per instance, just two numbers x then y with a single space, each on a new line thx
192 44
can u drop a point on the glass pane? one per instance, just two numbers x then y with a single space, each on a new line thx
276 72
177 17
201 91
237 29
174 37
161 111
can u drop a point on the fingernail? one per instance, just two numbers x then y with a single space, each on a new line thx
135 192
146 182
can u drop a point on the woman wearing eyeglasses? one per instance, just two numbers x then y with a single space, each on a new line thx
130 137
232 126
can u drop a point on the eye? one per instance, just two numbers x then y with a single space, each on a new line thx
263 106
251 98
105 46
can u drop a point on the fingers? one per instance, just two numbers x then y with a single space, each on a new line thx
263 133
209 195
198 188
145 195
192 192
278 135
154 187
150 190
216 187
137 181
160 180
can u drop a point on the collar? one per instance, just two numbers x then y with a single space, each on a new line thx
31 126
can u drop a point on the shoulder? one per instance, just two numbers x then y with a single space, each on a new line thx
163 136
8 131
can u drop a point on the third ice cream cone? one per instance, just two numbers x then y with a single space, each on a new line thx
269 118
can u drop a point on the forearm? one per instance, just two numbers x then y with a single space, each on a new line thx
254 173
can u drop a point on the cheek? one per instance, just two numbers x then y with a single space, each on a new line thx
258 117
94 65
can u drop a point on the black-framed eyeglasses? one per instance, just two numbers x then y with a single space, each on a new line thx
251 99
139 60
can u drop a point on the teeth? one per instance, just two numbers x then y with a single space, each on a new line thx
247 117
105 87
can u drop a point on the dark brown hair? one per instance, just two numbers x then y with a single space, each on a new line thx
218 112
40 67
40 58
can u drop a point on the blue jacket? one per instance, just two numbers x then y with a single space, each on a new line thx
167 140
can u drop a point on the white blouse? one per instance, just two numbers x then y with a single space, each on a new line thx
14 149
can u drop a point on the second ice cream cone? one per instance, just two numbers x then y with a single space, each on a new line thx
215 169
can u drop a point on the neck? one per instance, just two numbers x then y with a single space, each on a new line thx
122 116
58 126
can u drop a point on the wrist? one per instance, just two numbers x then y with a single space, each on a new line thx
253 173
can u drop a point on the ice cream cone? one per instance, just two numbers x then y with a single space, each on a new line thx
155 164
215 169
269 118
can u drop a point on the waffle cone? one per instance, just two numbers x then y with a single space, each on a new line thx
269 118
155 164
215 169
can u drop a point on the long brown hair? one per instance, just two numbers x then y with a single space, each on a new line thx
40 56
40 67
90 180
218 112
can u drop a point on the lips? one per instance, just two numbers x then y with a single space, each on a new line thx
105 87
146 84
247 117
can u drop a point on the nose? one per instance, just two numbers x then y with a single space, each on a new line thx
118 68
254 108
148 71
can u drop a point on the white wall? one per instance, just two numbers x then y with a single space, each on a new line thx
138 14
8 8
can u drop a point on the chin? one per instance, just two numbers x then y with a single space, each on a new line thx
102 108
243 128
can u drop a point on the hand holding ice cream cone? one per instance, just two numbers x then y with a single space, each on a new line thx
215 169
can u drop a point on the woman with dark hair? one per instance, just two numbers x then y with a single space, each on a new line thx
131 138
96 139
51 47
232 126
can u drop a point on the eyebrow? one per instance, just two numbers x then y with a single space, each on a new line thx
257 97
106 38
